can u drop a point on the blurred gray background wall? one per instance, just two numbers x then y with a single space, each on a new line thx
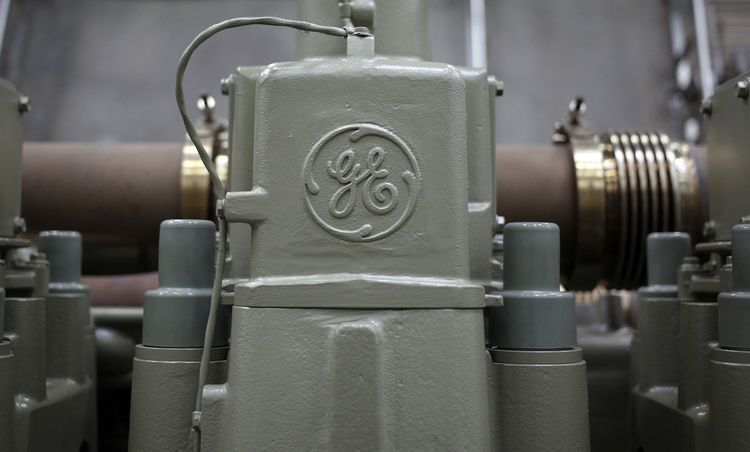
103 70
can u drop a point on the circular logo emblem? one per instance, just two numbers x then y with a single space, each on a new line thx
361 182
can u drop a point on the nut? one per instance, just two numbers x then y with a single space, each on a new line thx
499 88
23 104
19 225
742 89
225 83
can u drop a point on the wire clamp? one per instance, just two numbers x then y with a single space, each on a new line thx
220 213
196 421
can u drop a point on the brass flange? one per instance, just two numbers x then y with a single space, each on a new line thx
628 185
197 198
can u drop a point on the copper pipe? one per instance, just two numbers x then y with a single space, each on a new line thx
538 183
120 191
120 290
606 197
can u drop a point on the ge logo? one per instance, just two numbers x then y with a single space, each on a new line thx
361 182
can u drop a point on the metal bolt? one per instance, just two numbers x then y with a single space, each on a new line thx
38 257
23 104
577 106
742 89
561 135
362 32
499 88
225 82
576 110
493 299
497 243
707 107
499 224
206 104
709 230
19 225
496 84
196 420
220 212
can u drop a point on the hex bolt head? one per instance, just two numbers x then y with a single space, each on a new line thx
23 104
497 85
741 257
206 102
709 230
560 135
742 89
499 224
19 225
225 85
577 106
499 88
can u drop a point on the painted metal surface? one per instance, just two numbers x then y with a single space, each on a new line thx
344 379
165 381
730 358
656 420
539 402
348 295
727 128
533 353
10 155
47 367
341 207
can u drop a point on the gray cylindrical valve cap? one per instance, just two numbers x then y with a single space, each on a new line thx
535 314
175 314
63 250
186 253
665 252
741 257
531 256
734 307
2 312
2 298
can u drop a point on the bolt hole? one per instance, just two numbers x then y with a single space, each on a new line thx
84 447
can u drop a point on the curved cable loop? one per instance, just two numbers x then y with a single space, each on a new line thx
218 185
